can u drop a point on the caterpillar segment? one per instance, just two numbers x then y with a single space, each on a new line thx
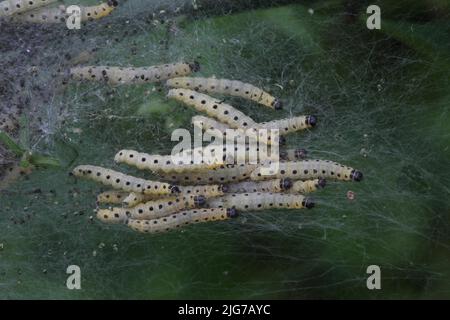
132 75
293 154
261 201
309 169
111 197
226 87
123 182
12 7
151 210
308 186
275 185
290 125
181 219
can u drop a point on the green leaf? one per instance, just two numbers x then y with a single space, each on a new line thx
11 144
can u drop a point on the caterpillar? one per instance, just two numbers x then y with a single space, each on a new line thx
11 7
151 209
122 75
181 219
164 163
293 154
112 197
207 123
307 186
222 174
227 87
134 198
213 107
261 201
59 14
310 169
123 182
290 124
275 185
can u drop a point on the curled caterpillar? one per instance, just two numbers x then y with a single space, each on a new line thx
275 185
310 169
181 219
151 209
11 7
222 174
227 87
213 107
165 163
122 75
112 197
123 182
59 14
261 201
293 154
307 186
290 124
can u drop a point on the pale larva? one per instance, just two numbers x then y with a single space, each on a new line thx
112 197
223 174
307 186
134 198
293 154
123 75
151 209
213 107
275 185
123 182
226 87
207 123
310 169
290 124
261 201
10 7
165 164
181 219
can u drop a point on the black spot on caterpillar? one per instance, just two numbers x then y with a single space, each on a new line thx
293 154
222 174
181 219
290 124
11 7
164 163
226 87
123 182
213 107
261 201
59 14
310 169
307 186
139 75
275 185
151 209
112 197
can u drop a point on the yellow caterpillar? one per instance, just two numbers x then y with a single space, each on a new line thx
112 197
181 219
222 174
307 186
59 14
275 185
213 107
293 154
290 124
11 7
310 169
123 182
122 75
164 163
261 201
151 209
226 87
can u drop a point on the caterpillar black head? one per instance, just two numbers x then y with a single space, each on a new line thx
199 201
356 175
277 104
308 203
113 3
231 213
311 120
300 153
224 188
195 66
321 183
285 184
174 189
